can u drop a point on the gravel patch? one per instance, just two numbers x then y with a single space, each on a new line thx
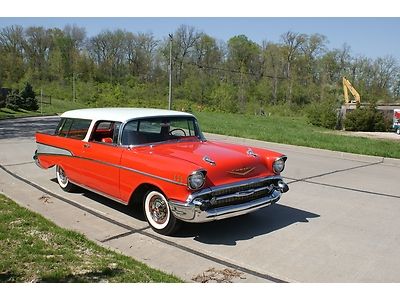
372 135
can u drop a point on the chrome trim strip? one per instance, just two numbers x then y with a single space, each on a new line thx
151 175
110 164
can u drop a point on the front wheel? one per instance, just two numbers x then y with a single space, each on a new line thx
158 213
398 131
63 180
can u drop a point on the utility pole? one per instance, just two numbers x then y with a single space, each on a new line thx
170 73
73 87
41 101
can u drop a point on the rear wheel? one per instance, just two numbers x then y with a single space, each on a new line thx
158 213
63 180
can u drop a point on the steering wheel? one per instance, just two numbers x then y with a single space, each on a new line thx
176 129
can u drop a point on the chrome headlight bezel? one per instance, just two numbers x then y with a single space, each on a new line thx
196 180
279 164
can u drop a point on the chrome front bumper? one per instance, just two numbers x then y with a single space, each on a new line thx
227 201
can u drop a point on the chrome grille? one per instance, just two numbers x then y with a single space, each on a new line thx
238 193
238 188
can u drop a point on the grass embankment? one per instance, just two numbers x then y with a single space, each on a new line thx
57 106
33 249
294 131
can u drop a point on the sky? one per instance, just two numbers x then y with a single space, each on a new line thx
370 37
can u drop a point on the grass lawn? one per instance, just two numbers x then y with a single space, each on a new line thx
294 131
285 130
33 249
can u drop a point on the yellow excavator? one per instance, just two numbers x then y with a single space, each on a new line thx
347 86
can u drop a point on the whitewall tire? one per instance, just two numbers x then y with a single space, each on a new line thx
158 214
63 180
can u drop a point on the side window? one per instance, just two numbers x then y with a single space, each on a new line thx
105 132
117 126
59 126
65 126
129 132
79 129
181 127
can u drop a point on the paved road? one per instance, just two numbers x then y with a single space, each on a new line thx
338 223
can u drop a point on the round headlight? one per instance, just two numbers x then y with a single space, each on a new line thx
279 165
196 180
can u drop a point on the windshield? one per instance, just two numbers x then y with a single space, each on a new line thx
160 129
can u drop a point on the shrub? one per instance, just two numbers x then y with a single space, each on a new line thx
366 119
2 101
14 100
29 101
323 114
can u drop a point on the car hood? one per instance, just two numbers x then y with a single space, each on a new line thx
223 162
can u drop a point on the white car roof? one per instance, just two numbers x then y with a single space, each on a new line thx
120 114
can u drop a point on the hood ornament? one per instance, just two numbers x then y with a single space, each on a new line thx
251 152
209 160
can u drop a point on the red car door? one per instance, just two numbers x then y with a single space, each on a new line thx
101 160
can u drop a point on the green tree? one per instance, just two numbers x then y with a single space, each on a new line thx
244 58
28 96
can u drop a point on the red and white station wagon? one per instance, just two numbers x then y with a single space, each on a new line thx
161 158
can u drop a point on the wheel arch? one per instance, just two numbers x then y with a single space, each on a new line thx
137 195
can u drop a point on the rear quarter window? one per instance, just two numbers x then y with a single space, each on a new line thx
73 128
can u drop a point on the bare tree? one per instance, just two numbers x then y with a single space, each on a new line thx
184 41
107 49
273 66
37 44
11 39
140 50
386 70
292 41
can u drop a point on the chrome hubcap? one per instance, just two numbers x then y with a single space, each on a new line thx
62 176
158 210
